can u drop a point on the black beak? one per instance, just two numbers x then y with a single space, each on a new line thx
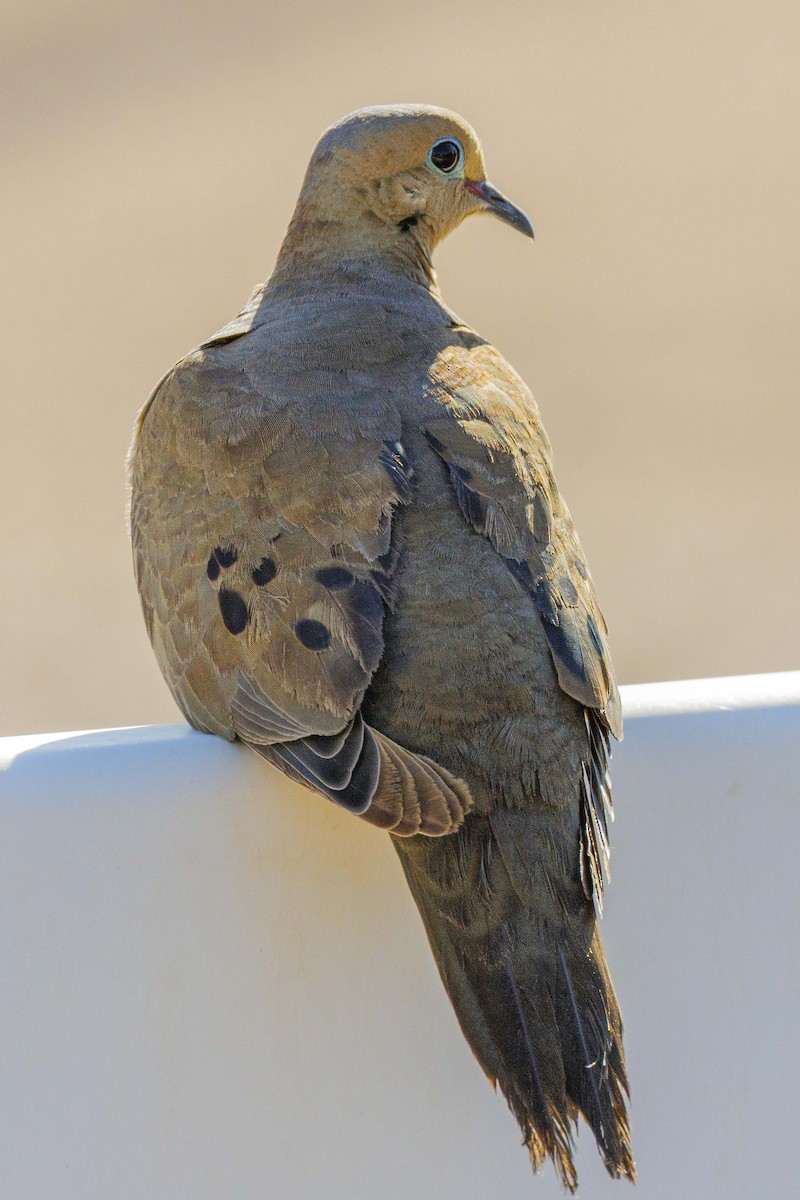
496 203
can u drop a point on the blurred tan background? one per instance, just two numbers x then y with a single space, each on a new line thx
151 154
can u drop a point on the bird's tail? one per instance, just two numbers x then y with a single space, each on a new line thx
528 980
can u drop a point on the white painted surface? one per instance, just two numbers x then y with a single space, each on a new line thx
215 985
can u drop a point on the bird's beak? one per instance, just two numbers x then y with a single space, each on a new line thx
496 203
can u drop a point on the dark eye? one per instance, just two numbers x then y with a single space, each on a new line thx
445 155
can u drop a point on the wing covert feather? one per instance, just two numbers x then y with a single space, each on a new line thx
262 549
491 439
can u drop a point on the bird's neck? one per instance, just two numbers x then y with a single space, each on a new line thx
316 246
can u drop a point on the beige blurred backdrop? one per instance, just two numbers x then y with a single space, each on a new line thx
151 154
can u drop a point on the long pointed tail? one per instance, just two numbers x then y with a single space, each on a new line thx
521 958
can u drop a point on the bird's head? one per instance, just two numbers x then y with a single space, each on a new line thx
395 180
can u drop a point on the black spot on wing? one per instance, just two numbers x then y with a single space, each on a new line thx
234 610
265 572
594 634
543 599
537 589
567 590
365 611
226 556
559 626
212 568
335 578
312 634
521 572
565 645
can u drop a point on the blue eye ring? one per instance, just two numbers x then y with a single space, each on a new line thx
450 155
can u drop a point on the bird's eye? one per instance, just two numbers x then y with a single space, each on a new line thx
445 155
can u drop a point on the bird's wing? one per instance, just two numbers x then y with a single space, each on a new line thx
488 433
262 538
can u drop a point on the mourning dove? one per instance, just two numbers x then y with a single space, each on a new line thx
353 557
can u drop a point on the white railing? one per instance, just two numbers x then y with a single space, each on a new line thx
214 984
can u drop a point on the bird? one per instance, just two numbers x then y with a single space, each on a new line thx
353 557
